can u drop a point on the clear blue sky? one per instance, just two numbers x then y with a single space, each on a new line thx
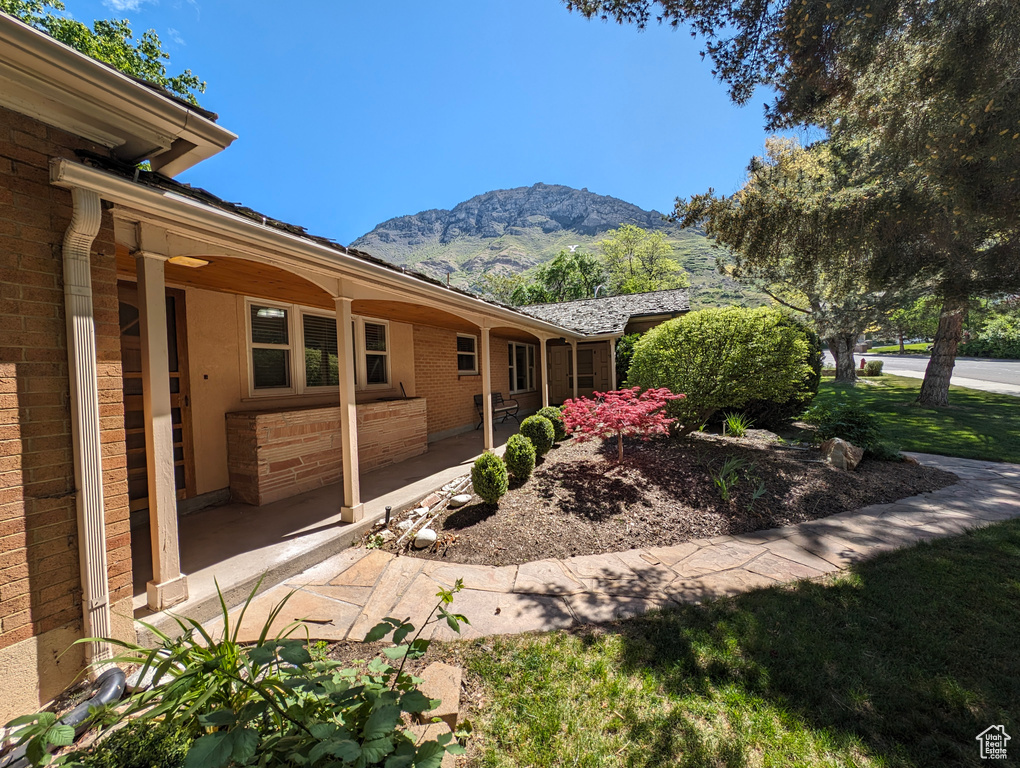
349 113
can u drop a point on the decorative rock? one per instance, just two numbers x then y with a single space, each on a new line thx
387 535
431 500
425 538
841 454
460 500
421 511
381 521
405 525
441 681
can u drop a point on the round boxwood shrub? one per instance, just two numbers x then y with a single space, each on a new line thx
722 359
519 457
772 414
540 431
555 415
489 478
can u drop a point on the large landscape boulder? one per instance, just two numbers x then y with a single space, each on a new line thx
841 454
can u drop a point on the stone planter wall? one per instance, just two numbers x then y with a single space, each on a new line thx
273 455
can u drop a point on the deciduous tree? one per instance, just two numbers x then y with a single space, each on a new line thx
639 261
108 40
619 413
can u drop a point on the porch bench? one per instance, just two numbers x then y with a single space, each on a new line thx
501 409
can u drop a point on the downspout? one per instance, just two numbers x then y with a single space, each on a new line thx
85 434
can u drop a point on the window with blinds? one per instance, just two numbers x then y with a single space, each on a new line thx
270 347
467 353
376 354
322 367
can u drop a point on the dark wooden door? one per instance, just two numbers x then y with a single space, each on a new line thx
180 396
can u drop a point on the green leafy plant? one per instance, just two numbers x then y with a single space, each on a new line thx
540 431
139 744
736 424
873 368
271 703
375 541
519 457
555 415
723 359
726 479
853 423
489 477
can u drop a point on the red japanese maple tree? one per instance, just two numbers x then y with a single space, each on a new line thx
621 412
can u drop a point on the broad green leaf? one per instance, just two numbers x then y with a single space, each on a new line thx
381 722
217 718
397 652
60 735
378 632
399 761
429 755
245 741
323 731
295 653
452 623
374 751
416 701
455 749
401 632
263 654
210 751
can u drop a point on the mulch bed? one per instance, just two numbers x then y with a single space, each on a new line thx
580 502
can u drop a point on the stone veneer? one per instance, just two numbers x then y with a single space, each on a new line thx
273 455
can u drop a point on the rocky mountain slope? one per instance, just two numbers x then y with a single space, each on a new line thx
516 230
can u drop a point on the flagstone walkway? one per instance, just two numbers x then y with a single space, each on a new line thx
345 596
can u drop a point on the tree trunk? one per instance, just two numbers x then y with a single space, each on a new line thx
846 371
903 349
935 387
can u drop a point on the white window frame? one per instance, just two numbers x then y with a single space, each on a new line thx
305 386
361 354
292 337
296 336
531 373
473 371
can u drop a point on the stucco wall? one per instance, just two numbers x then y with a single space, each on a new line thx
218 363
40 581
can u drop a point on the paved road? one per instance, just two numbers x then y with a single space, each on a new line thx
1002 376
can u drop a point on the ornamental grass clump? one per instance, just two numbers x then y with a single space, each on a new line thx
489 478
541 432
618 413
519 457
555 415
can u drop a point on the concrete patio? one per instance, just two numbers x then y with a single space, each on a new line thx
345 596
236 544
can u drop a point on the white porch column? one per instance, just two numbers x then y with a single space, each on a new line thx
543 344
487 440
168 586
85 432
612 363
573 363
352 509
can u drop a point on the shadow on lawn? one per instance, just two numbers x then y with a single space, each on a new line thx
909 657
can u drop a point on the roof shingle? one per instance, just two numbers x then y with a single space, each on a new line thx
610 314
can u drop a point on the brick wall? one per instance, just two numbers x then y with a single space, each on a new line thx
276 455
40 585
450 395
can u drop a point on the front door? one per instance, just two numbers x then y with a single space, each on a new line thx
180 398
559 376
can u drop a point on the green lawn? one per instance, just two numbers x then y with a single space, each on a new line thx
977 425
919 348
900 661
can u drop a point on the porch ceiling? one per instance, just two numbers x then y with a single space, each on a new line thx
406 312
238 276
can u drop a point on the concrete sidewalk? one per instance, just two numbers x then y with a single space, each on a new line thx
345 596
